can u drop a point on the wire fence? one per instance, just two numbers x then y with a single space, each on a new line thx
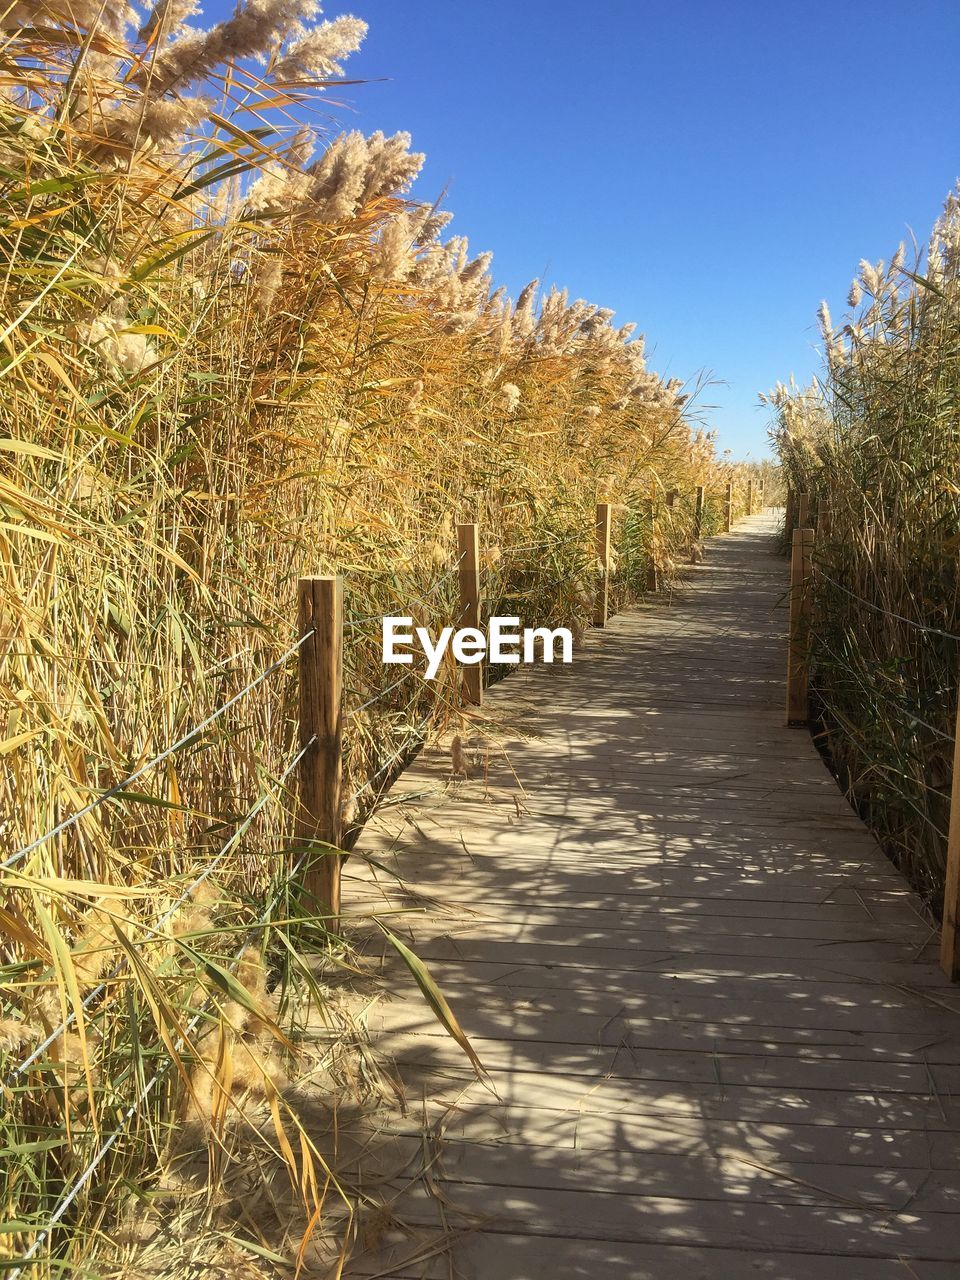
371 789
872 690
94 998
897 617
856 736
243 827
881 661
118 787
352 624
71 1194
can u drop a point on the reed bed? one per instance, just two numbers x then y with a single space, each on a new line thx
876 438
234 351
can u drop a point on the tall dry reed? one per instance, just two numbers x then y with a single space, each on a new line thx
876 437
235 351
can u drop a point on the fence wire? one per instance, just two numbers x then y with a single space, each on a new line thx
887 613
121 786
168 915
71 1194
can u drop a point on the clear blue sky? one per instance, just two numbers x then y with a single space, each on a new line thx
709 170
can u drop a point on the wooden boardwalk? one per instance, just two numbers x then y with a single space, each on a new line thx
717 1040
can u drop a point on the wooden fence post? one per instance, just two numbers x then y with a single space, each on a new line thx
750 497
653 567
949 941
798 654
763 501
468 545
320 608
728 508
824 517
803 510
671 499
603 559
697 524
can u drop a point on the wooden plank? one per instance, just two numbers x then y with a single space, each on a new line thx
708 1067
729 1174
611 911
489 1252
748 1004
875 963
475 882
884 1149
842 1231
517 1023
539 944
745 1104
866 983
645 929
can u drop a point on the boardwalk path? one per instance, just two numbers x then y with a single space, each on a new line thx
703 995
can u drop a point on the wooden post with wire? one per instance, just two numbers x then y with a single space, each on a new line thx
320 611
468 546
697 520
949 941
728 508
803 510
653 566
603 564
798 653
750 497
762 495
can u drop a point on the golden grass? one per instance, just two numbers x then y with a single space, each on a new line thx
207 395
875 438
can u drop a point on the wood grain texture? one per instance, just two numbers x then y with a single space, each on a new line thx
697 521
602 536
468 550
320 611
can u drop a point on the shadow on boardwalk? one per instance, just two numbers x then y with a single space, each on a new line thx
716 1037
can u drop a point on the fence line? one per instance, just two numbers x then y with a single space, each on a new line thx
805 576
887 697
603 549
887 613
332 640
603 557
69 1196
167 752
416 735
352 623
168 915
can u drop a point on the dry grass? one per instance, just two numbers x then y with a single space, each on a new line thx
225 366
876 438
